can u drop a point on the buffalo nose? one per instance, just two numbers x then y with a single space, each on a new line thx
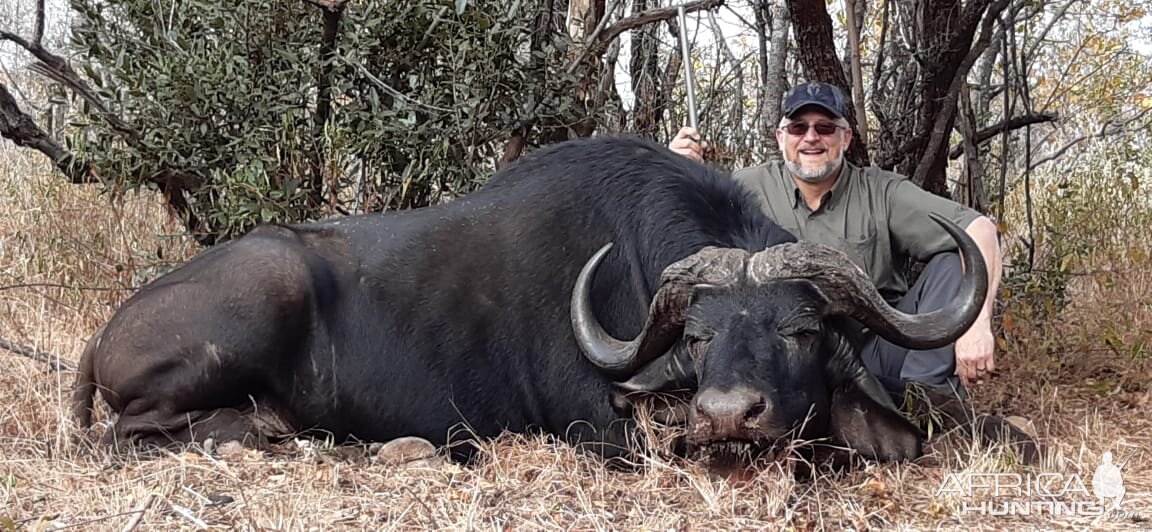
729 413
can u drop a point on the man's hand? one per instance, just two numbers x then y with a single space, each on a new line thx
974 354
687 143
974 361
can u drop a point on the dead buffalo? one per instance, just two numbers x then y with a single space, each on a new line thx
507 310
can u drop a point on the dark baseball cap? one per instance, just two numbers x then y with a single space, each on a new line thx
827 97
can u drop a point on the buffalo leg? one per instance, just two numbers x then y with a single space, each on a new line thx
863 417
190 356
931 405
160 429
874 430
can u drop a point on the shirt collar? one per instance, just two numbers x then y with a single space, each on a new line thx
832 197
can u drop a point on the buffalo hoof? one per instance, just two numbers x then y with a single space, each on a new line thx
1000 431
951 412
405 450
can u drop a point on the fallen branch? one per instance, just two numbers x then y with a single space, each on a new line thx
69 287
135 521
37 355
187 514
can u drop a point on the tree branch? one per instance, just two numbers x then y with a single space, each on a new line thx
602 36
55 361
734 64
57 69
17 126
64 75
1105 130
1011 124
38 32
18 40
1041 36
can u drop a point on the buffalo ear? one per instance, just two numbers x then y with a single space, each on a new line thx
669 375
862 414
672 371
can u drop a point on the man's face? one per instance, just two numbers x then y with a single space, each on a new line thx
811 155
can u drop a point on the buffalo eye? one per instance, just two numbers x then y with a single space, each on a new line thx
697 336
799 329
698 346
697 339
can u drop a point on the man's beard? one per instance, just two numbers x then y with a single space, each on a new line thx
818 175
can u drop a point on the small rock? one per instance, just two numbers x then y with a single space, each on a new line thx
404 450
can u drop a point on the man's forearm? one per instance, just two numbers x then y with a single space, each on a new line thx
983 231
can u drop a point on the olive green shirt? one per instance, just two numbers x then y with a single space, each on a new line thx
879 218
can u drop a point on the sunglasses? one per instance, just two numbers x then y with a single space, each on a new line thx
800 129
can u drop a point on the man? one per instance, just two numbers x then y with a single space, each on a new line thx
880 219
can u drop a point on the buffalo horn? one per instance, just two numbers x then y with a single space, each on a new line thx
851 292
665 322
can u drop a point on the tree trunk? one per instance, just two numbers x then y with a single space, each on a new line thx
852 9
644 70
971 186
961 51
776 80
319 166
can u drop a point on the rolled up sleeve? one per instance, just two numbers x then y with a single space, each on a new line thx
913 232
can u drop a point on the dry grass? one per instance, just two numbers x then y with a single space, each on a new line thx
68 257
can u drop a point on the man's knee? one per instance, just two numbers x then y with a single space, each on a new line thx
945 265
939 282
